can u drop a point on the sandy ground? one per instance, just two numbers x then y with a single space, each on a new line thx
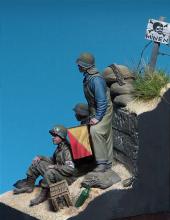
43 210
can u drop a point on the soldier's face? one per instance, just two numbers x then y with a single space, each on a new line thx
81 69
78 117
56 140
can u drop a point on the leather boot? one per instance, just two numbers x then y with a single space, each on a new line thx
100 168
109 166
26 187
20 183
40 198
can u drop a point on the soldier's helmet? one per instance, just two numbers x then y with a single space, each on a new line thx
86 60
59 130
81 109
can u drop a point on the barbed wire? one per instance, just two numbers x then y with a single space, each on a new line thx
141 55
142 52
164 54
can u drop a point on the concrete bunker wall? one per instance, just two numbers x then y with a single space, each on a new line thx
151 189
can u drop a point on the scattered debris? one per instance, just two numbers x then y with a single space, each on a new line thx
60 195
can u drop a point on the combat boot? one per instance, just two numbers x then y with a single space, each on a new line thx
20 183
40 198
100 168
108 166
27 186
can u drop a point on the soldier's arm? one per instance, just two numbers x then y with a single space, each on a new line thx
68 167
99 88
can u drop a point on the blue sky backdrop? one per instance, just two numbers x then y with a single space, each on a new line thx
39 81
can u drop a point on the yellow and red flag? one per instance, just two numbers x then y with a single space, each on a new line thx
79 141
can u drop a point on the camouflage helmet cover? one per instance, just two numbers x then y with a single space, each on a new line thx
86 60
59 130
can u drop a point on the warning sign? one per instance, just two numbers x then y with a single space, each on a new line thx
158 31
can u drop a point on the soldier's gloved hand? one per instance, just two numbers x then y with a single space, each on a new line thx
93 121
51 167
36 159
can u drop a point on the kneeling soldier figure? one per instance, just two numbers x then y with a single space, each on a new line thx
59 167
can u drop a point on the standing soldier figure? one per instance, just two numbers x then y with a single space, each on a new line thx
100 107
59 167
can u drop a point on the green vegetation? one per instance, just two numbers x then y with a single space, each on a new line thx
148 85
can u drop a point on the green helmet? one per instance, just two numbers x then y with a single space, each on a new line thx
81 109
59 130
86 60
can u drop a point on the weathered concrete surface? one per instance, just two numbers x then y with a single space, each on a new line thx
126 138
151 190
126 133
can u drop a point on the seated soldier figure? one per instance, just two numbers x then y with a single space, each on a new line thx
82 113
59 167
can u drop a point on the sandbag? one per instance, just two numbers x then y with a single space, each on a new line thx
122 100
101 180
116 89
110 77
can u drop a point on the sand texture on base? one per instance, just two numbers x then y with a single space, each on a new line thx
43 211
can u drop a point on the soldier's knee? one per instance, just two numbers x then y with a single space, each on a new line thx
36 163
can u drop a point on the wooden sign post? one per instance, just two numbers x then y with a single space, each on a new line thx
155 52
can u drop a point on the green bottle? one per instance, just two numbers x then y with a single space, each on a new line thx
83 196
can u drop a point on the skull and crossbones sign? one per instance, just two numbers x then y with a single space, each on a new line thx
158 27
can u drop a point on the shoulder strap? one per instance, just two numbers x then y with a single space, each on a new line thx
93 76
118 74
89 79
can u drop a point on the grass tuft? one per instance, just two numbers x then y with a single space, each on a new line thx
148 85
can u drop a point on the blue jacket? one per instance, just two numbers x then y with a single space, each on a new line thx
98 88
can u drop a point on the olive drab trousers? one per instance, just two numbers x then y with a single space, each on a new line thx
50 176
63 167
101 133
40 168
102 137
